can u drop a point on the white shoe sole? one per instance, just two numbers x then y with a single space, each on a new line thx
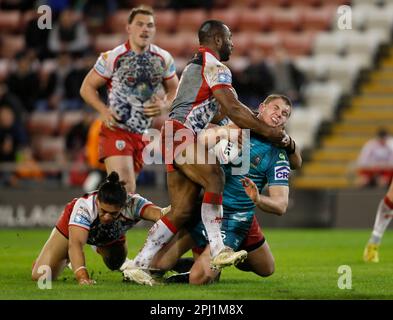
237 258
138 276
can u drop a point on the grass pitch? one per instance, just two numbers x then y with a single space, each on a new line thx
307 263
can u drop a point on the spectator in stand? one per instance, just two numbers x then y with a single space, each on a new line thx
28 169
375 162
97 171
23 81
10 99
68 35
37 38
12 138
287 79
96 12
73 81
255 83
76 139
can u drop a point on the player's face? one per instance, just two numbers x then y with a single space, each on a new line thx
275 113
227 45
107 213
141 30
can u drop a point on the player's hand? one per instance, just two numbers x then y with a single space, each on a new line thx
83 278
108 118
87 282
231 133
165 210
155 107
251 188
285 140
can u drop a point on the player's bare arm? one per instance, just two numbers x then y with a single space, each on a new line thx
154 213
89 93
276 202
244 117
77 240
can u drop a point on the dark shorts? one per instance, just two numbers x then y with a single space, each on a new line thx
239 235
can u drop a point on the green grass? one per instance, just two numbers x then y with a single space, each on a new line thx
306 268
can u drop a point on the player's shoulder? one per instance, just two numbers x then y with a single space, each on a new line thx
160 52
86 203
212 62
115 52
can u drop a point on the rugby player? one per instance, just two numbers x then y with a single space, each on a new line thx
136 73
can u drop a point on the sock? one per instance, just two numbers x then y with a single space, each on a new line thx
382 220
212 213
159 234
183 265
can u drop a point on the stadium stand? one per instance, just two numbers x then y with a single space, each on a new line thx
352 53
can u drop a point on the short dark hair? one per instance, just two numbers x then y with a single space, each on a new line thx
275 96
209 29
140 10
112 190
382 133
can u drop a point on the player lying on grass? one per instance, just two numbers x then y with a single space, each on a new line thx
101 219
268 165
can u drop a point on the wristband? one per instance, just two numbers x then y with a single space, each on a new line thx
289 150
81 275
81 267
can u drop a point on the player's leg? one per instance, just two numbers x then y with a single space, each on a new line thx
114 254
201 271
211 178
168 257
259 261
54 254
382 220
124 166
182 192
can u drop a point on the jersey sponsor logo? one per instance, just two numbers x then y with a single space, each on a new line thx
79 219
281 173
224 78
100 66
120 144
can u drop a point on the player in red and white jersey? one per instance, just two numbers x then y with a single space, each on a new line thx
141 81
101 219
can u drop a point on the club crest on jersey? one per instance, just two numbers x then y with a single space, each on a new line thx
281 173
256 160
120 144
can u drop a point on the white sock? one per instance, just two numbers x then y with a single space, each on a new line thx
212 219
382 220
159 234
